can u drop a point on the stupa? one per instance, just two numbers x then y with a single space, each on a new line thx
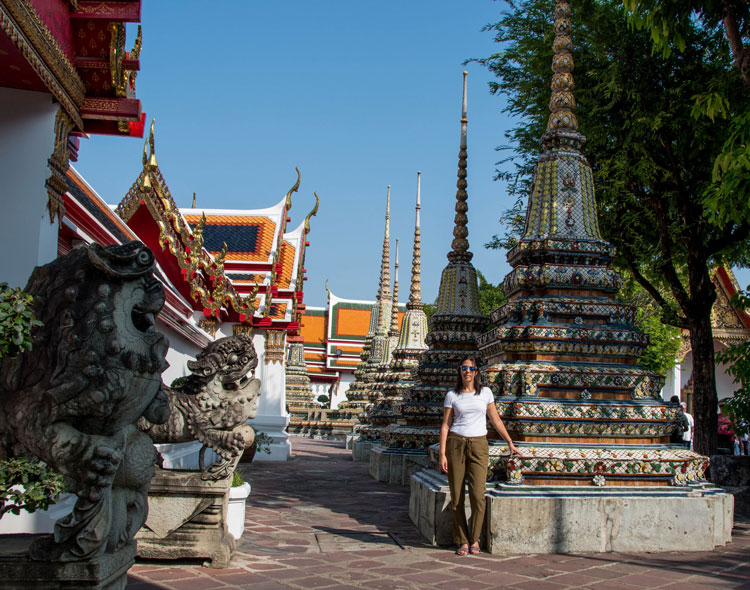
372 420
360 395
597 472
453 332
402 374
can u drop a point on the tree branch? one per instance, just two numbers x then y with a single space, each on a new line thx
740 53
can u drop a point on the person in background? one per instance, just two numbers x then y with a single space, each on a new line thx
687 435
464 450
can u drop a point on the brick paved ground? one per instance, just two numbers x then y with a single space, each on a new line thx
320 522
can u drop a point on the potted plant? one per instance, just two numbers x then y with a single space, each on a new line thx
261 443
238 494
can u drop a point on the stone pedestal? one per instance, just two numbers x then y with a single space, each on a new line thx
543 519
19 572
396 466
187 519
361 450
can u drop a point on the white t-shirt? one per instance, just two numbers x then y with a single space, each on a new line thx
469 411
687 435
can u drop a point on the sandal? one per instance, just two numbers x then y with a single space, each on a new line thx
475 550
462 551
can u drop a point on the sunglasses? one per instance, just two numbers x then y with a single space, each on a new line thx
472 369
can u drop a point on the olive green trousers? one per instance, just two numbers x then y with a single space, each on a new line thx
468 458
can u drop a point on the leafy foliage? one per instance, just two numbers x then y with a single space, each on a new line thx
737 357
16 321
237 479
660 355
490 296
322 399
27 485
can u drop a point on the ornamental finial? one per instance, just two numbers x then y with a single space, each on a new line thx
460 245
313 212
415 295
394 307
152 158
288 201
384 288
562 103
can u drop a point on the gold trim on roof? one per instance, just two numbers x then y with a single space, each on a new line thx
24 27
205 274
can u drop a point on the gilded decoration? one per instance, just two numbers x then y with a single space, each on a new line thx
24 27
274 346
209 285
58 163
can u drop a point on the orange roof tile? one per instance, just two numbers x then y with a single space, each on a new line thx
286 258
353 322
313 329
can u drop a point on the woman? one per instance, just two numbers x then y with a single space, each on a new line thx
464 450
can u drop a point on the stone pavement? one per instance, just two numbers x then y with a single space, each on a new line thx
320 522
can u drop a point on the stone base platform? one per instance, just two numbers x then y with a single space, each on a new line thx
583 519
187 519
19 572
396 466
361 449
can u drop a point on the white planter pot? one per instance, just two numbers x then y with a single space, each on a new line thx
236 509
41 521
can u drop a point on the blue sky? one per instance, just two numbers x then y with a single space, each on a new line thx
358 95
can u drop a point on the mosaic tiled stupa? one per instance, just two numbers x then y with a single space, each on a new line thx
299 393
372 419
563 352
453 329
360 394
401 375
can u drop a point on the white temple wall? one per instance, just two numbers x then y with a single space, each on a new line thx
181 350
27 134
680 376
340 395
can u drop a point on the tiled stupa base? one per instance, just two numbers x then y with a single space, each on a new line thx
524 519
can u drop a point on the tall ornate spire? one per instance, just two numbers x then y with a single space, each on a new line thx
415 292
563 102
394 307
460 245
384 290
385 261
562 125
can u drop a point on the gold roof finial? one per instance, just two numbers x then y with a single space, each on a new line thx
415 295
394 307
293 190
193 200
152 158
313 212
460 245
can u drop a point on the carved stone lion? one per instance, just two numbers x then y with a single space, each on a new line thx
214 403
75 398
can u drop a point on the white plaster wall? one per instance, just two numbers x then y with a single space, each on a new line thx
181 350
27 128
346 380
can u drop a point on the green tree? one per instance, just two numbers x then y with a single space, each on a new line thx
490 296
737 357
652 157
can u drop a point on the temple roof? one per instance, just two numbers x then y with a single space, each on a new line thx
75 50
334 335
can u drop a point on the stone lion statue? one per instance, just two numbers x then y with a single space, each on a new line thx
74 400
212 405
